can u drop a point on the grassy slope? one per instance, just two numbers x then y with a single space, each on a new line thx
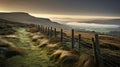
104 39
37 57
34 57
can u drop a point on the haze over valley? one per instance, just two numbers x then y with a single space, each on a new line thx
59 33
79 23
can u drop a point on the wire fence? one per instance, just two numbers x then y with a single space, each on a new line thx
58 32
95 46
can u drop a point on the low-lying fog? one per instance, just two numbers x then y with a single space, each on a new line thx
93 27
84 25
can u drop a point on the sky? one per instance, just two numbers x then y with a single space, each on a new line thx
57 8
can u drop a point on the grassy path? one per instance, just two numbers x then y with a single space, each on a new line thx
35 57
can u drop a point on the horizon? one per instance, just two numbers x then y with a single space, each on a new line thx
59 33
80 9
79 22
66 12
63 18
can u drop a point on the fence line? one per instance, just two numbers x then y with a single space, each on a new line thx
96 47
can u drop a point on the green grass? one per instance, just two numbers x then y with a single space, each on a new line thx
35 57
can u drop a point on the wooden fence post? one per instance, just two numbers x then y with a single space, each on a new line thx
97 43
96 49
79 41
45 30
38 27
41 28
51 32
72 34
61 35
55 32
48 31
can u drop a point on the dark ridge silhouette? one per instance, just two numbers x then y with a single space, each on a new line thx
27 18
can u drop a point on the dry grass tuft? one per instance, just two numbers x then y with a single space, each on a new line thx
53 46
5 43
43 43
55 56
36 37
68 60
64 58
13 51
54 40
6 30
33 34
10 49
87 61
32 29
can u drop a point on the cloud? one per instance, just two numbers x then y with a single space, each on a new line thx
81 7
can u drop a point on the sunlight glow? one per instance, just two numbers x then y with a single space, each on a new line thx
5 11
73 16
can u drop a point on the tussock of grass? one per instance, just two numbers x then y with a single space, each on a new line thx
55 56
36 37
43 42
10 36
68 61
53 46
42 45
6 30
32 29
4 44
67 55
13 51
64 58
87 61
54 40
33 34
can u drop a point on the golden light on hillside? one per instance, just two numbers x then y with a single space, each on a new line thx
52 16
4 11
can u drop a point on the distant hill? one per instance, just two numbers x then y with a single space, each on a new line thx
27 18
7 22
105 21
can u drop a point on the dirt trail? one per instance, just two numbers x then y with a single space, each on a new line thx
35 57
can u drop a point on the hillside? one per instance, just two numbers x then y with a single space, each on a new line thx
29 46
27 18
